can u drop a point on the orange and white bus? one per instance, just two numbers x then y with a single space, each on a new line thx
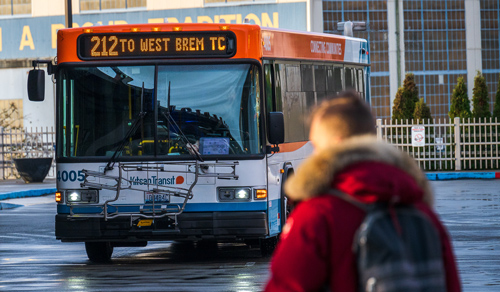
186 132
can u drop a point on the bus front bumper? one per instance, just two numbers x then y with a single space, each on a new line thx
191 226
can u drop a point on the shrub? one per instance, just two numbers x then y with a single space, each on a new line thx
422 112
406 98
460 105
496 105
480 100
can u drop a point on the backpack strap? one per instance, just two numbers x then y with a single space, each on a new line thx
350 200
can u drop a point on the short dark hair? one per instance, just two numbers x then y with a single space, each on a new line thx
347 114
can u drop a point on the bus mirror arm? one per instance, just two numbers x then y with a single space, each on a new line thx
270 149
51 68
36 79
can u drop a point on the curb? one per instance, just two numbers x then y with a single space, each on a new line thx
27 193
463 175
5 206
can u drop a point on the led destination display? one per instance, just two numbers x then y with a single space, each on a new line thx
156 45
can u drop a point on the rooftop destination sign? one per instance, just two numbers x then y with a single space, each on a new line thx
105 46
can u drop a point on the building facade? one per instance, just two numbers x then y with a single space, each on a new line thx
438 41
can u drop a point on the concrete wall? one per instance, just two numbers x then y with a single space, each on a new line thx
14 86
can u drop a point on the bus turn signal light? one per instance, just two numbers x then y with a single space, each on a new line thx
260 194
58 197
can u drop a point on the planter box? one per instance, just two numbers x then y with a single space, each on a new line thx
33 170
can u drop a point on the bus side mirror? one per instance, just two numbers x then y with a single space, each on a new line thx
276 127
36 85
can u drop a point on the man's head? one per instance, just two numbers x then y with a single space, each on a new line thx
341 117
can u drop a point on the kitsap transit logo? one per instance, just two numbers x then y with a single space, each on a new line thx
154 180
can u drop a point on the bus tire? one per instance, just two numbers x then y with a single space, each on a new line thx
267 246
207 245
99 252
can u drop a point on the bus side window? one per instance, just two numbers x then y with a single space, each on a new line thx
349 80
279 83
307 96
307 77
269 89
320 82
335 80
293 105
361 83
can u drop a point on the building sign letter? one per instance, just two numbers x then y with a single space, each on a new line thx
26 39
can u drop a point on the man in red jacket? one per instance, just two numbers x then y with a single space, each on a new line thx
315 249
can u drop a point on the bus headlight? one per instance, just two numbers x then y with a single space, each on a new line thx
234 194
243 194
82 196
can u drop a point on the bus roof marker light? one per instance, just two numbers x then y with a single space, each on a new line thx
156 29
224 27
88 30
135 29
177 28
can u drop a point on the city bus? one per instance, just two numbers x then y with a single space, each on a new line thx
186 132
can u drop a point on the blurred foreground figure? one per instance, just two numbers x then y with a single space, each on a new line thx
315 252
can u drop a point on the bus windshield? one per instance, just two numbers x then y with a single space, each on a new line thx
168 111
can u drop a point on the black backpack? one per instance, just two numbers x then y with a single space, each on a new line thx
397 248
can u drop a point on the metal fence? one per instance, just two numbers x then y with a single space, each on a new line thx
443 144
439 144
25 143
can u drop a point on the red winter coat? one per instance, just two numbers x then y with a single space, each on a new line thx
315 250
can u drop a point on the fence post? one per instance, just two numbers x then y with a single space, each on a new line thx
379 129
458 158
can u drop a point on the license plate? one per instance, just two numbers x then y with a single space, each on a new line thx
159 198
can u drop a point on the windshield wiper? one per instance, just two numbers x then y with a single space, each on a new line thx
169 119
131 131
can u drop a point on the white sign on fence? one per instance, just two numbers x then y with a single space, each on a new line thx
418 136
439 144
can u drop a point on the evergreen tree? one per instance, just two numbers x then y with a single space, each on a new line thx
480 100
460 105
496 105
422 112
406 98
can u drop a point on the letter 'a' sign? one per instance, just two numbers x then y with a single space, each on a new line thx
107 46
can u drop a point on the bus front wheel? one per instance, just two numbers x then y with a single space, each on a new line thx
99 252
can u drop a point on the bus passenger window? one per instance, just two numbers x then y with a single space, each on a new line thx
334 80
361 83
279 83
293 81
307 78
349 80
268 78
320 78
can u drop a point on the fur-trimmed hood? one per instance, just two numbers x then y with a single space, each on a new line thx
364 167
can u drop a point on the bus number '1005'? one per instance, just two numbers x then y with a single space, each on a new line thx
70 176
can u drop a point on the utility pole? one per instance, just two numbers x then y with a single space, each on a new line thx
398 40
69 14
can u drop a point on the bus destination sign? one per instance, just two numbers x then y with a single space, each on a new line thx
106 46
